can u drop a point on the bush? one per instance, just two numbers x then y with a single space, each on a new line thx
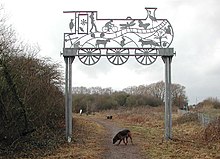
31 96
211 102
188 117
216 104
212 131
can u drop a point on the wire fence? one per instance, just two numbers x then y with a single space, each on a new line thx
204 119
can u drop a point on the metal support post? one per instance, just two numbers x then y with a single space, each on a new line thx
168 105
66 59
68 97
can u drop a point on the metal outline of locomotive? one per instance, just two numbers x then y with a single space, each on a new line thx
89 36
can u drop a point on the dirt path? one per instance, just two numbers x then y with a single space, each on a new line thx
117 152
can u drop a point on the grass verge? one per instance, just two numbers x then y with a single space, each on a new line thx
85 144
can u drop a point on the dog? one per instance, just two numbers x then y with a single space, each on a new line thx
123 135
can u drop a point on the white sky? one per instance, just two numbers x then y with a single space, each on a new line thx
197 41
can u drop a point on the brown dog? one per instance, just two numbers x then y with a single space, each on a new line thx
122 135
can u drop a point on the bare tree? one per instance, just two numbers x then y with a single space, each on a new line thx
157 90
178 95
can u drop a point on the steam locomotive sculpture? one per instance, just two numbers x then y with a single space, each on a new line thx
117 39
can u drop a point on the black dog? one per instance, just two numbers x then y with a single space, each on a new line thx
122 135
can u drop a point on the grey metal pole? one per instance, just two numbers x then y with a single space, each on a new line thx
170 98
168 109
69 109
66 59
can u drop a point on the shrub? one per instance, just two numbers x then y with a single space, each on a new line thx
216 104
188 117
31 96
212 131
211 102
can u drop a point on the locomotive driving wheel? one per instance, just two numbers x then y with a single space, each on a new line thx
89 56
145 56
117 56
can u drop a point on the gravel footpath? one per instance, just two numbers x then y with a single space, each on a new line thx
122 151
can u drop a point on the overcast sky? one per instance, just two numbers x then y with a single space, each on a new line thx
196 41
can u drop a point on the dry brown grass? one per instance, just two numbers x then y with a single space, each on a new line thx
86 141
147 125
